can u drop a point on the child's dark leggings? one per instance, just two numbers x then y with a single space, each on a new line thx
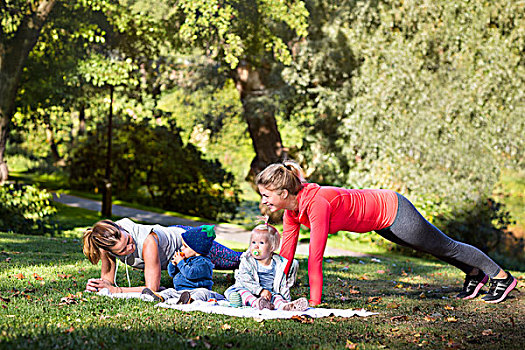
222 257
411 229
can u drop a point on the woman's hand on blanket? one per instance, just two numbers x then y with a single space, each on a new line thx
96 284
266 294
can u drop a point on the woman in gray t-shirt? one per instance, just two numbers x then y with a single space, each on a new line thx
146 247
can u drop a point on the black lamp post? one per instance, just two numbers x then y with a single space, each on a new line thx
106 190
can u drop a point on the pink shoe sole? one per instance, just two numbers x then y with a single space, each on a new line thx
478 287
507 291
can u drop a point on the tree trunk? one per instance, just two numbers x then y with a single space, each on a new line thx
50 138
259 113
82 120
13 55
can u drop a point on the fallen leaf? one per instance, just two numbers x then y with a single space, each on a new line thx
399 318
226 326
392 306
429 319
303 319
350 345
354 291
422 295
453 345
399 286
452 319
380 271
487 332
64 276
374 300
37 277
69 330
20 276
448 307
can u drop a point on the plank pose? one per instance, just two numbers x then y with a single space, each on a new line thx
327 210
146 247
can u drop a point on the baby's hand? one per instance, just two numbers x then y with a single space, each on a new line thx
177 257
266 294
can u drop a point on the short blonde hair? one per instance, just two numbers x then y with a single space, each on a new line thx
103 235
282 176
271 233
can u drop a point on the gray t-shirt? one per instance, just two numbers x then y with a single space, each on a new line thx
169 241
266 275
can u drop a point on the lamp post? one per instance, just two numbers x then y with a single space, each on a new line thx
106 190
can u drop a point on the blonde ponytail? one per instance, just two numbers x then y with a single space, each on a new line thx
282 176
103 235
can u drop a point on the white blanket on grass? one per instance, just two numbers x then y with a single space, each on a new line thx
223 308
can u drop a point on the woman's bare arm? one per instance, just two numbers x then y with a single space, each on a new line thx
152 270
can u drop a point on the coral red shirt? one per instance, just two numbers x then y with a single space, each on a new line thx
327 210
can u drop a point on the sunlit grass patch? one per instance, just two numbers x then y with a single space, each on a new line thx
43 305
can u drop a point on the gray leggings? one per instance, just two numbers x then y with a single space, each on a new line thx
412 230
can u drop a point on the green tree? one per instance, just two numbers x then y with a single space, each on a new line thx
20 26
153 165
251 42
420 97
42 44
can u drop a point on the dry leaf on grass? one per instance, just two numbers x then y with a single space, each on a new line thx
303 319
374 300
37 277
20 276
429 319
399 318
487 332
350 345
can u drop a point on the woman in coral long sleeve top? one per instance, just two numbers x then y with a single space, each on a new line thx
327 210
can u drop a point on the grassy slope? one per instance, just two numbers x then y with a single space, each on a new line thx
412 296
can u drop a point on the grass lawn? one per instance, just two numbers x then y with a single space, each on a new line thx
43 306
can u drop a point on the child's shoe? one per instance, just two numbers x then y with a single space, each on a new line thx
300 304
472 285
156 296
185 298
263 303
499 289
235 299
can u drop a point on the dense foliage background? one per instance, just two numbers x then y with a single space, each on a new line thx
422 97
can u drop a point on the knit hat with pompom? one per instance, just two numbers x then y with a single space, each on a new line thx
200 238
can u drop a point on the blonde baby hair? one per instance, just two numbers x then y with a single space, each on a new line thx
274 238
